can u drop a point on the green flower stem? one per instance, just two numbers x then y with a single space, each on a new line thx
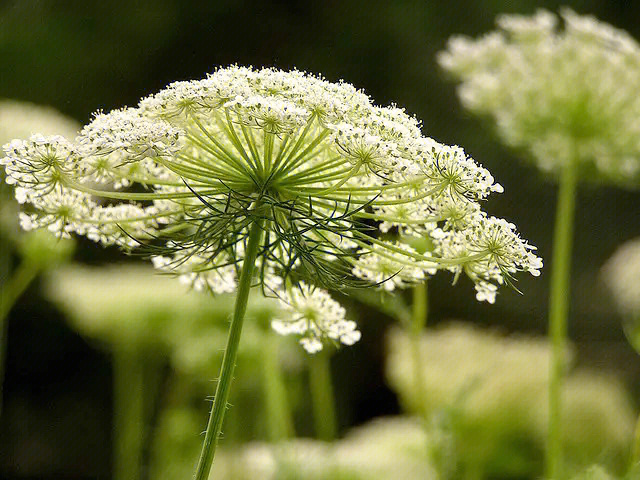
10 293
322 399
128 412
214 426
558 313
419 314
278 413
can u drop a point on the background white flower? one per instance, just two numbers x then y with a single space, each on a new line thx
562 92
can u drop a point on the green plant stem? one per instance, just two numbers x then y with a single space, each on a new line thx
128 412
419 314
558 313
10 293
278 413
322 400
214 426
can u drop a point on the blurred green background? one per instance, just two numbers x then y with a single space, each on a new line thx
80 56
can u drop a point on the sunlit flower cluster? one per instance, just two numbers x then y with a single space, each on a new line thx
564 93
328 176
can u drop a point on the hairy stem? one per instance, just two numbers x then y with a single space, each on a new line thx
558 313
322 401
128 412
278 413
11 291
214 426
419 314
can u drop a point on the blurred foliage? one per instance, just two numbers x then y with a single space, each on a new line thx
160 323
134 307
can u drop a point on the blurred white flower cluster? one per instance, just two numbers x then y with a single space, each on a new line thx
563 93
131 306
385 449
23 119
622 275
324 172
491 389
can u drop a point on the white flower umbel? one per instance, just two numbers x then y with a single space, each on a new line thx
316 162
21 120
563 93
314 315
279 173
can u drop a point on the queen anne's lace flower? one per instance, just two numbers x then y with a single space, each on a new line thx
322 170
564 94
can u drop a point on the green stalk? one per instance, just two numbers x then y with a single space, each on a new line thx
11 292
419 314
128 412
324 411
214 426
558 313
278 414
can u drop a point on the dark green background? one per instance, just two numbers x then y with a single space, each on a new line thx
80 56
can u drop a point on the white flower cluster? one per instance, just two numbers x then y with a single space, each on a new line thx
327 175
21 120
563 94
622 275
390 269
314 315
